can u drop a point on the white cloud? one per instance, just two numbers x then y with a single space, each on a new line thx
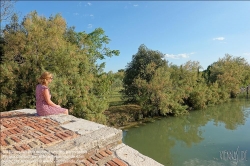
219 38
91 15
90 25
129 5
88 4
178 56
76 14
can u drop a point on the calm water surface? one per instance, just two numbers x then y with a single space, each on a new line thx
217 136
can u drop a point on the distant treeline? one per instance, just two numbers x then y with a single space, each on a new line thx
161 88
37 44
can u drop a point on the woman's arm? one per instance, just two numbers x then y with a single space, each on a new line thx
46 95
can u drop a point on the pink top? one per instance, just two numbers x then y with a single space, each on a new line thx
42 107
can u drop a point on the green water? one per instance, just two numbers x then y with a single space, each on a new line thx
203 138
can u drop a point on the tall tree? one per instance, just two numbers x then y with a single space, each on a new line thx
231 73
189 84
148 83
158 96
137 69
40 44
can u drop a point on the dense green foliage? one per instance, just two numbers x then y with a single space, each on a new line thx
137 69
117 82
161 88
231 73
40 44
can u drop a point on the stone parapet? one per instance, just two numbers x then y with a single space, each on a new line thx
63 140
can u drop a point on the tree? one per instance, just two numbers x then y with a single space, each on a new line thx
157 96
39 44
148 83
7 9
189 84
137 69
230 72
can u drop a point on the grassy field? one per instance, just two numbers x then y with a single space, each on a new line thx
119 114
122 115
115 97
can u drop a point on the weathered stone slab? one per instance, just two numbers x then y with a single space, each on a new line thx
64 119
82 126
106 136
133 157
27 111
85 142
64 151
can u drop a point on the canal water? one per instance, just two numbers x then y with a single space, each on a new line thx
216 136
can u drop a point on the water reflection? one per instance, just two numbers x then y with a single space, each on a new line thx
232 114
173 140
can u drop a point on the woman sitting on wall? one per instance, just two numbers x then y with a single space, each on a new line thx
44 105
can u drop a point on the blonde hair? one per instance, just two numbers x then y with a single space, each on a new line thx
44 78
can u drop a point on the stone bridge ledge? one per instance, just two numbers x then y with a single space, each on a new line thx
62 140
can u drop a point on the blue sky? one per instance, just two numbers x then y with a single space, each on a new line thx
201 31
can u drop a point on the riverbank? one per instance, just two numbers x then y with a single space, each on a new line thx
124 116
127 116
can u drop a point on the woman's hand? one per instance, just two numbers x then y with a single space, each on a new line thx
47 96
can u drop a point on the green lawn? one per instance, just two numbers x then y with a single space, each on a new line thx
119 114
115 97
